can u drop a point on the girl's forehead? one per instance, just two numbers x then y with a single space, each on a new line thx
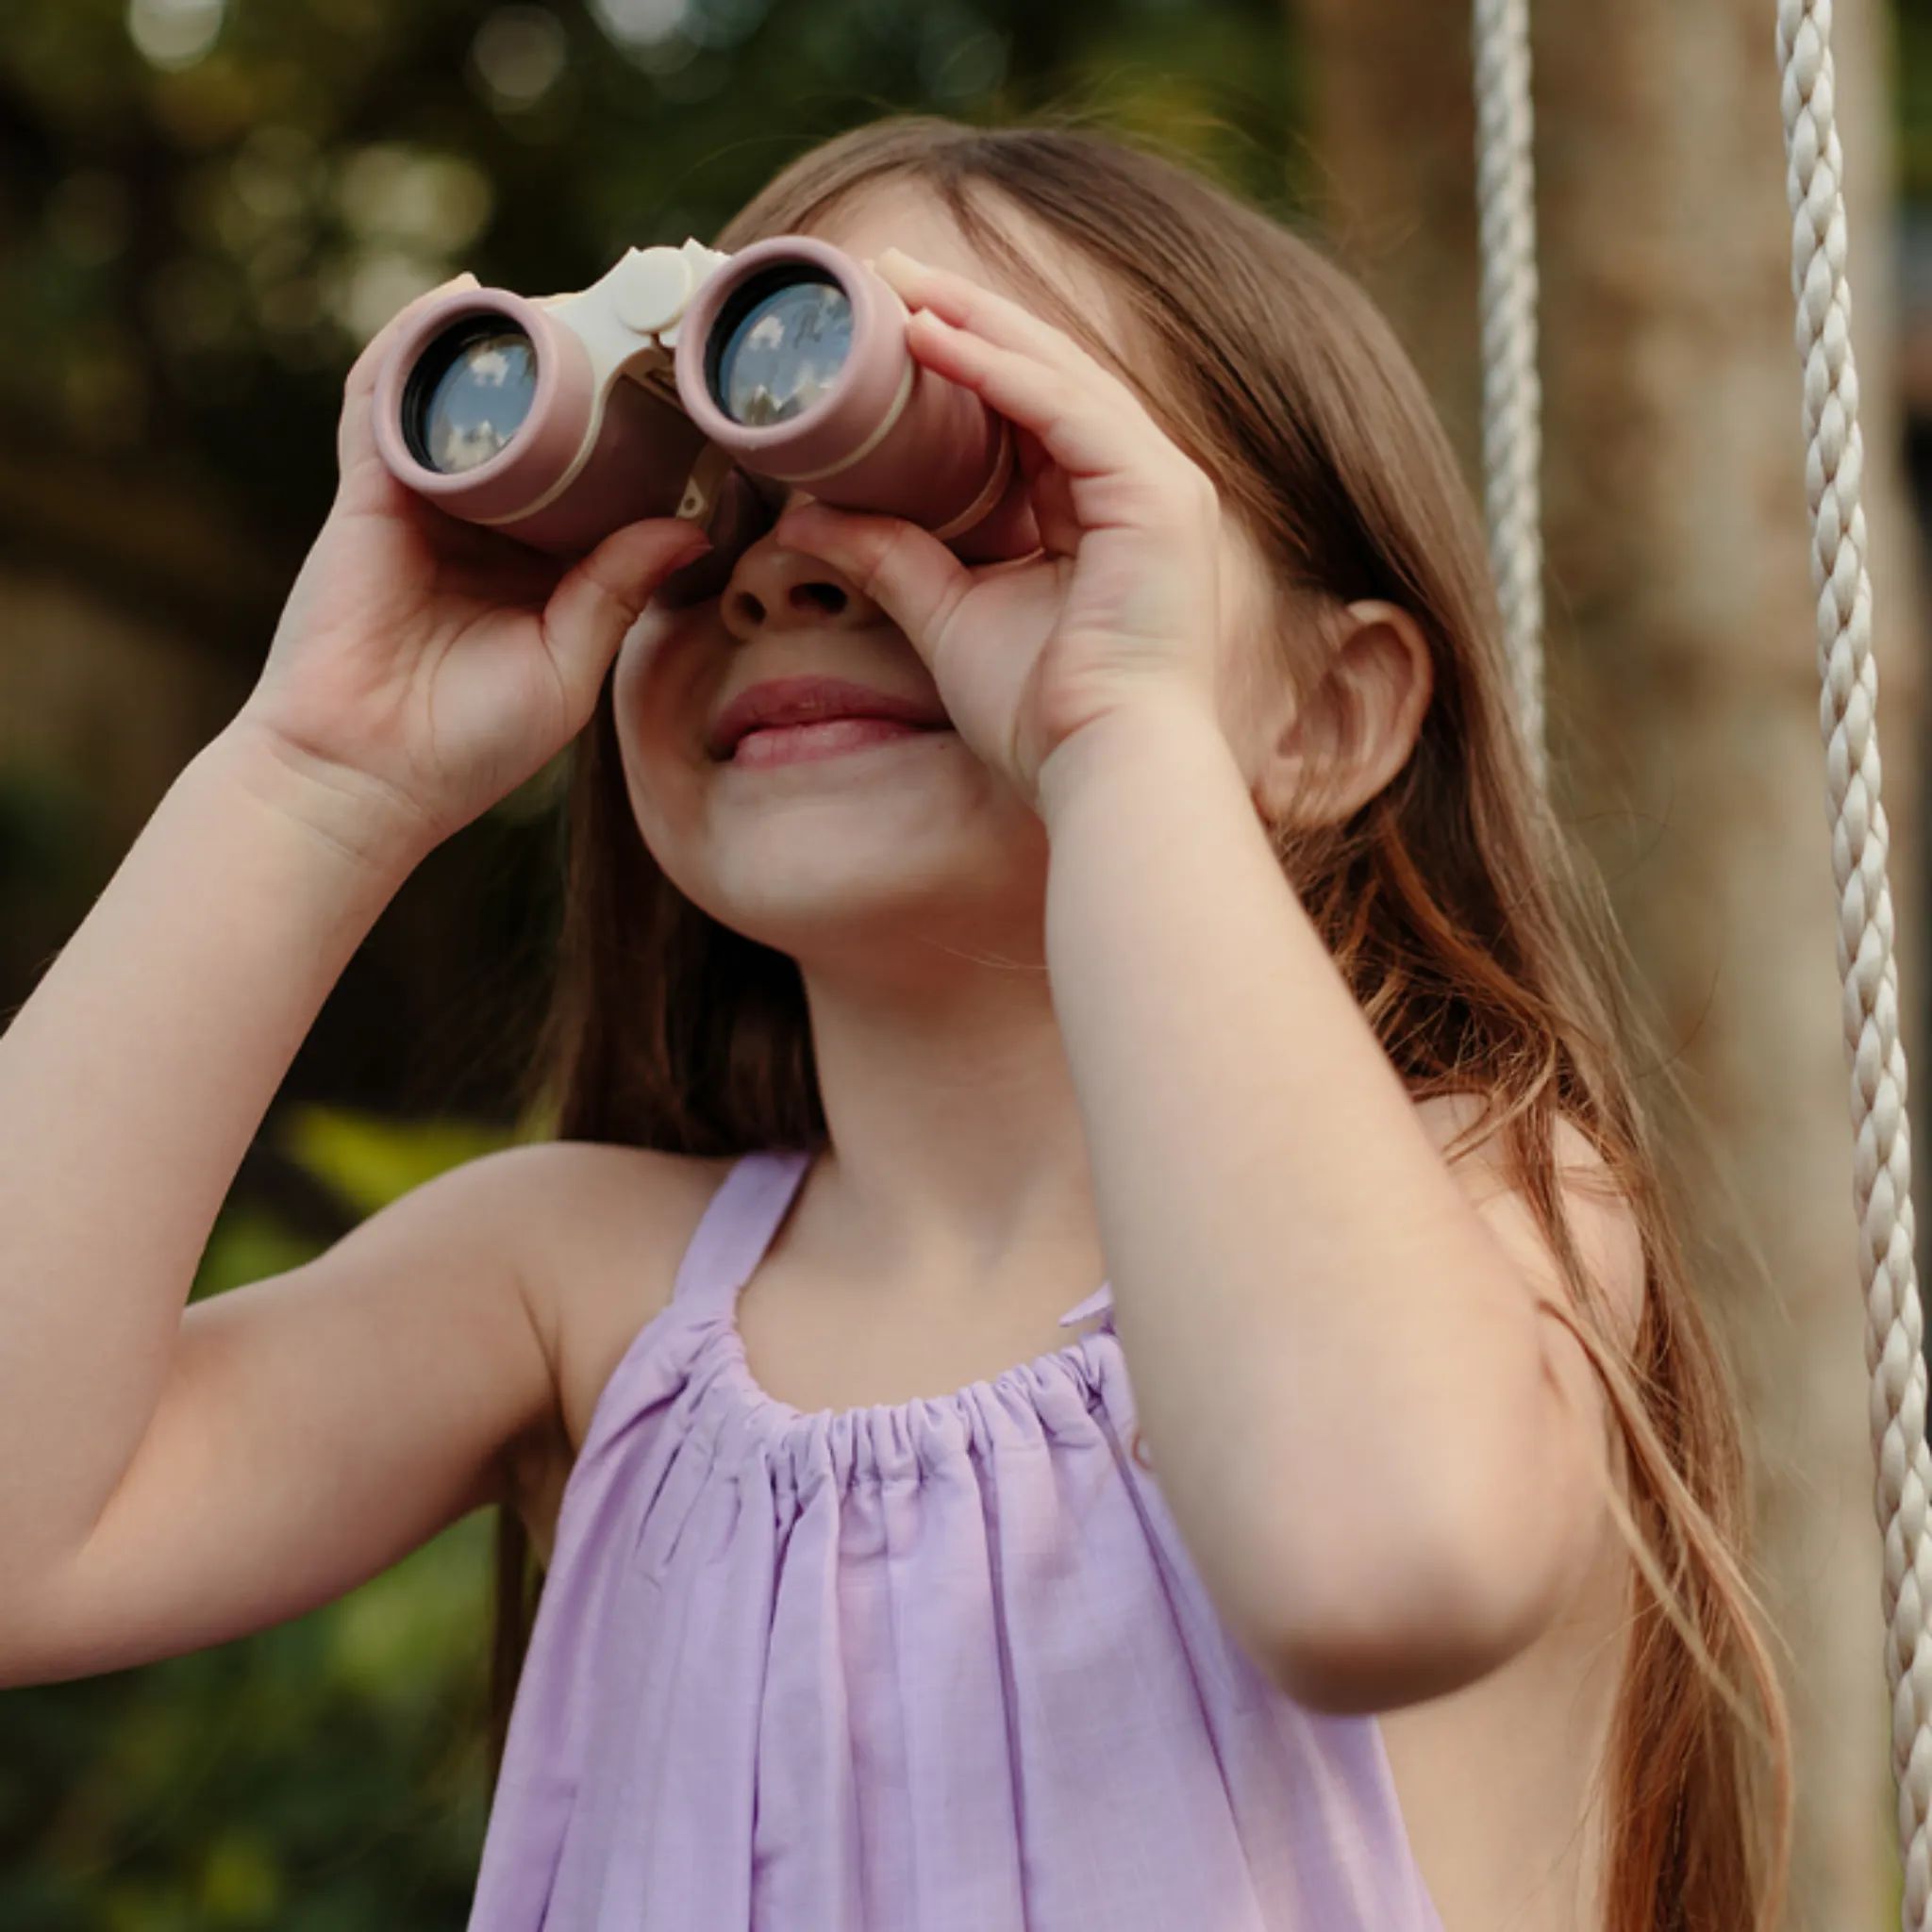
906 215
901 214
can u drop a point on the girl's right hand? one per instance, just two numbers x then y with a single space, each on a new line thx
425 667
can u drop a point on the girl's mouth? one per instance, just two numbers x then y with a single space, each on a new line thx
783 719
822 737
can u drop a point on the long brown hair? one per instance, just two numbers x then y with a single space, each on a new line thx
1483 962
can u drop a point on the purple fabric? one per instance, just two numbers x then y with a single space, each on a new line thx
943 1667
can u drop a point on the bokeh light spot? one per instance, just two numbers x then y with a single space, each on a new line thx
640 23
429 201
174 33
519 54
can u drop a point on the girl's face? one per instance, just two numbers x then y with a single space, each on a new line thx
896 856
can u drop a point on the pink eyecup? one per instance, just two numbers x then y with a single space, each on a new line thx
931 467
543 447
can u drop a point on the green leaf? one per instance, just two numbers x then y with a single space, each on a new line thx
369 1161
248 1244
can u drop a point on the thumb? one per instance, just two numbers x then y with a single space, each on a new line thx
905 570
598 601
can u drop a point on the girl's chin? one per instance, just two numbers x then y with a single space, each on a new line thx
816 911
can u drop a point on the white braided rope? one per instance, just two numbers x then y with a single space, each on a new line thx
1894 1332
1513 395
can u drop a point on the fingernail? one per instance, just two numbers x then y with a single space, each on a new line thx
897 260
685 579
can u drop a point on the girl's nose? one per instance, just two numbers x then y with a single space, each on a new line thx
775 590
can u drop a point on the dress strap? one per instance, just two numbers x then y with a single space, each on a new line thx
737 1225
1101 1299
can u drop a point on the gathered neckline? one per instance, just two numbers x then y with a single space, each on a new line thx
1072 1361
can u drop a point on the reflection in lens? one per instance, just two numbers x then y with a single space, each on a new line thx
484 378
786 351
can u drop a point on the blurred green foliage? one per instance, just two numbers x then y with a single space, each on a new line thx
193 239
323 1776
369 1163
1912 22
205 209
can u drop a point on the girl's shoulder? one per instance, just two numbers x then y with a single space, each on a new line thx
1602 1221
608 1227
602 1228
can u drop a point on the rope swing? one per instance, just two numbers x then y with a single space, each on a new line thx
1833 466
1513 395
1881 1185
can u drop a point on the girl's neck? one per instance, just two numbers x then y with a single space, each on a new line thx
956 1155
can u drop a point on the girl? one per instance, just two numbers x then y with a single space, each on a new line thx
1169 911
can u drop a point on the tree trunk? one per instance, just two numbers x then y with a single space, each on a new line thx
1684 711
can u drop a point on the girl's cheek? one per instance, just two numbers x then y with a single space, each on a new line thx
668 679
667 687
663 790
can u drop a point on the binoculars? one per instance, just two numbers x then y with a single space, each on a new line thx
694 384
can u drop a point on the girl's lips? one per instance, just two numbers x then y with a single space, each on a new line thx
783 702
827 737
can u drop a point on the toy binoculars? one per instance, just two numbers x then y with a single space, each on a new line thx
694 383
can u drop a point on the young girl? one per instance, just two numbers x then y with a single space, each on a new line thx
1165 934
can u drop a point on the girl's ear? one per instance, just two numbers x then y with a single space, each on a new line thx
1336 749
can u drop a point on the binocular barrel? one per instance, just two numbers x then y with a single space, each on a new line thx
558 421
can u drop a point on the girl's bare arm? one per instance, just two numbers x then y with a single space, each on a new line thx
1388 1456
168 1481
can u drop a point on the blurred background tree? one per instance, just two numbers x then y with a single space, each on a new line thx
205 207
1684 702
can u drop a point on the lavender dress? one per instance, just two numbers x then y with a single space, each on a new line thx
943 1667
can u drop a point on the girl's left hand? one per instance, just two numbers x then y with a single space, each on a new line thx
1121 604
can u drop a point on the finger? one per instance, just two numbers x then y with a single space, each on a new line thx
1046 490
945 302
1088 435
969 305
599 600
906 570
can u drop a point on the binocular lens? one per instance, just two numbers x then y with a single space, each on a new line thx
782 350
468 395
